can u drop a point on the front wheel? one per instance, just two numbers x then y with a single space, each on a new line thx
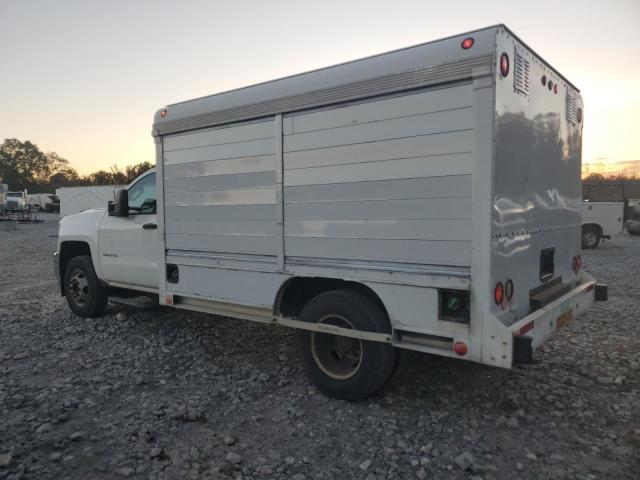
344 367
84 293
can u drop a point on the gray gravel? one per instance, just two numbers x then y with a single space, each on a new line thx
166 394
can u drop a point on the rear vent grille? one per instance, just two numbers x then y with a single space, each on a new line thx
572 109
521 75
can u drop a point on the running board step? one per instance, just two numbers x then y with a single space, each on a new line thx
140 303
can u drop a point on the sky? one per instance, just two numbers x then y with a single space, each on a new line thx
83 78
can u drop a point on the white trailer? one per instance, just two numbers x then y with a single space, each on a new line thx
426 198
601 220
78 199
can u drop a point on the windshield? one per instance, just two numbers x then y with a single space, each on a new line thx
14 194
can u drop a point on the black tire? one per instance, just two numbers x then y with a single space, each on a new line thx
590 237
633 232
341 367
86 296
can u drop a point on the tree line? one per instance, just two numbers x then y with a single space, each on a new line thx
24 166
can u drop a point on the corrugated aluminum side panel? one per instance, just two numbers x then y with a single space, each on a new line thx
220 190
390 155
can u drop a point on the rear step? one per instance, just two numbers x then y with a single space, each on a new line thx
547 293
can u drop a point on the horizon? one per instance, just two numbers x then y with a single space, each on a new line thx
88 77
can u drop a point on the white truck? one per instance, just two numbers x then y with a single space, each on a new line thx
15 201
78 199
601 220
426 199
632 223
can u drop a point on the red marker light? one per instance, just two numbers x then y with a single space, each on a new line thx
576 263
163 113
508 290
504 64
498 293
579 115
526 328
544 80
555 89
467 43
460 348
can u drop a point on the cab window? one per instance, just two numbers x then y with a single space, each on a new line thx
142 196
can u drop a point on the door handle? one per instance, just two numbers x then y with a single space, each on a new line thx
149 226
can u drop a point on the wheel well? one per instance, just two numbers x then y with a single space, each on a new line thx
592 226
69 250
296 292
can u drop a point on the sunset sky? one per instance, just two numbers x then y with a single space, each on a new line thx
83 78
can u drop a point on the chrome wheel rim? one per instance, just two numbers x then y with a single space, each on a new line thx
79 288
337 356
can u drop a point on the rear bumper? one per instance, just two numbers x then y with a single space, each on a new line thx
543 323
507 345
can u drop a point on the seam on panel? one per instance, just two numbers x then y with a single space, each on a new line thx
302 132
380 140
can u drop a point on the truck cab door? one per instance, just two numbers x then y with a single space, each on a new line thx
129 245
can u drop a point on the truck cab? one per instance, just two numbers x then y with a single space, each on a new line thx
15 201
117 243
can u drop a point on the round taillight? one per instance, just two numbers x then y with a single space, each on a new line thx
555 89
508 290
498 293
467 43
163 113
543 80
577 263
460 348
504 64
550 85
579 115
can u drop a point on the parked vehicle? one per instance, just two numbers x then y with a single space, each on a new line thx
632 224
78 199
15 201
54 206
424 199
4 188
39 201
601 220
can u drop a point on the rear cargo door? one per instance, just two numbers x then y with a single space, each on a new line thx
537 165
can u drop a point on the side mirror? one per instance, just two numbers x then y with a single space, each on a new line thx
119 207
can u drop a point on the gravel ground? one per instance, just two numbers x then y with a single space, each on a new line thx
166 394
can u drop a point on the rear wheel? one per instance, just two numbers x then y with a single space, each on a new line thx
84 293
590 237
344 367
